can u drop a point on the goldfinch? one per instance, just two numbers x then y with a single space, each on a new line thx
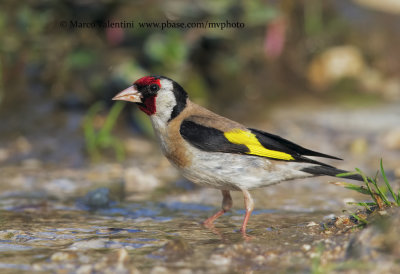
216 152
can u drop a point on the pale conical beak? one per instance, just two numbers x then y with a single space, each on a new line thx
130 94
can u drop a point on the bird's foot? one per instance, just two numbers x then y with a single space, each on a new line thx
245 236
209 223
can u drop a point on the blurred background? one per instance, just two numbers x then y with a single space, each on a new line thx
289 54
324 74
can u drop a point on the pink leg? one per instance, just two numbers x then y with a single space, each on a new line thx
226 205
249 204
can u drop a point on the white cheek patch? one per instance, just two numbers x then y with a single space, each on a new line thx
165 102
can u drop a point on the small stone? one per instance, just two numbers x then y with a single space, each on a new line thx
391 89
89 244
159 270
397 172
4 154
391 139
61 187
63 256
220 260
174 250
387 6
185 271
138 181
85 269
23 145
306 247
348 200
259 259
334 64
329 217
98 199
359 146
379 241
311 224
138 146
31 163
122 256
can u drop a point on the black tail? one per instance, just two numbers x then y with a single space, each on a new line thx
330 171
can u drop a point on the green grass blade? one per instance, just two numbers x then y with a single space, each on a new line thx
357 188
380 192
364 204
358 218
347 174
111 118
371 193
398 197
395 197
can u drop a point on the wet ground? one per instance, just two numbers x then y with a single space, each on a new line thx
140 216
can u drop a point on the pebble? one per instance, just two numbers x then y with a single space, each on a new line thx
397 172
137 180
61 187
4 154
89 244
334 64
391 139
219 260
311 224
359 146
98 198
379 241
174 250
32 163
63 256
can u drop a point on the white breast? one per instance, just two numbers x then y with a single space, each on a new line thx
236 171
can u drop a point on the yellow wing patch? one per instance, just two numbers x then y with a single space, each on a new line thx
241 137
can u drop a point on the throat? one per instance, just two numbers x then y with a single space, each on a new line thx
149 105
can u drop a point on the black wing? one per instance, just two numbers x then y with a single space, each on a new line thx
209 139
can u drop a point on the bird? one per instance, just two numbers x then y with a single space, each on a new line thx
213 151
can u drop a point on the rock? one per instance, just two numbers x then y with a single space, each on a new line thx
379 242
64 256
334 64
391 89
61 188
136 146
397 172
23 145
137 180
89 244
4 154
391 139
175 250
389 6
371 80
32 163
159 270
306 247
85 269
97 199
359 146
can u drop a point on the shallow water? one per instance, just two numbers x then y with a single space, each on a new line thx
165 234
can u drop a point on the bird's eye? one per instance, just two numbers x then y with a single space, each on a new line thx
154 88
